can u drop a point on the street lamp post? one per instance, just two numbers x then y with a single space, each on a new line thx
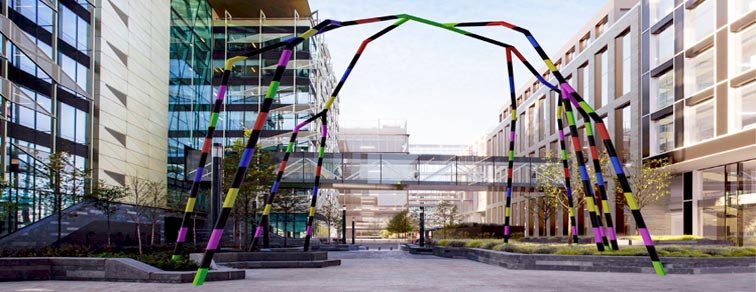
352 230
343 224
422 226
215 193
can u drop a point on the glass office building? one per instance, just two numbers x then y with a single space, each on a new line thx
46 88
203 35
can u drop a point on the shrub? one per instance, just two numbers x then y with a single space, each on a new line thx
490 244
456 243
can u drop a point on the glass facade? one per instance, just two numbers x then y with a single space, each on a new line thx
46 112
200 44
727 204
190 90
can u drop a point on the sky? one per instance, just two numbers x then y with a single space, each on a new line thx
448 87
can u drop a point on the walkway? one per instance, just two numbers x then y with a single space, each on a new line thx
397 271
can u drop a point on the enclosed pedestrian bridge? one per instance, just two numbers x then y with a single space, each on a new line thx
408 171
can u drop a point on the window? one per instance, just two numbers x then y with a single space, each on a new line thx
662 46
602 78
662 90
600 26
699 72
623 132
699 122
662 135
660 9
699 22
542 118
623 55
743 51
739 8
585 41
568 56
743 105
583 81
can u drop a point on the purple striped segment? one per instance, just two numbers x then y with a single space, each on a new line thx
612 235
284 58
325 130
506 230
182 234
214 239
646 237
309 230
597 235
258 231
221 92
574 230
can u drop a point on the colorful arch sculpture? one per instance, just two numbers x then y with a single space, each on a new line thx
567 96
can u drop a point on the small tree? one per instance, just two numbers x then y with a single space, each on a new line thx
289 203
329 208
550 180
649 181
447 215
104 198
401 223
258 179
61 183
545 206
155 198
138 188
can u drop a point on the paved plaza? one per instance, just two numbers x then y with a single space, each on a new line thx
398 271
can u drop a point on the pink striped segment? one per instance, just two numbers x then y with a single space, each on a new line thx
214 239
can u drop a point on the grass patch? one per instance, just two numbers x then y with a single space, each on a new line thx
590 249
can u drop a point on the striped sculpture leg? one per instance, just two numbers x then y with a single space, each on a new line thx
228 204
314 200
510 159
621 177
189 210
262 222
585 179
566 166
602 203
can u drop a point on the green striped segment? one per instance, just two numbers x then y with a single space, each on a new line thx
213 119
570 118
272 89
588 128
199 278
290 147
659 268
320 154
511 155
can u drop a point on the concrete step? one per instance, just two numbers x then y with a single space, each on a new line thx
265 256
283 264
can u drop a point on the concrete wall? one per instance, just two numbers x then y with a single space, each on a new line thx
132 54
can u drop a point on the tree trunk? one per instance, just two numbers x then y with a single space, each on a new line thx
108 218
59 205
152 234
329 232
139 237
286 226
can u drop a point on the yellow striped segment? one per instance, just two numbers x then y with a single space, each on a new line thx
550 65
190 205
230 198
572 212
506 211
591 204
312 211
308 33
329 102
605 205
514 114
631 201
230 62
266 211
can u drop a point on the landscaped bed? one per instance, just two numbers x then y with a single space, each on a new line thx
159 257
590 249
